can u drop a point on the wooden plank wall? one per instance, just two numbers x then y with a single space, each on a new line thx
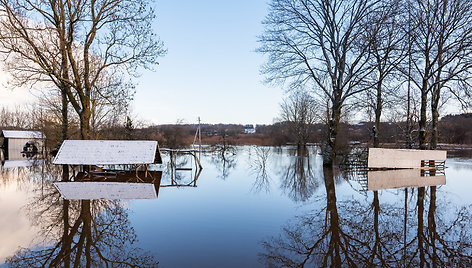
402 158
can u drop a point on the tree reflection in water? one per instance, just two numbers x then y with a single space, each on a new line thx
87 233
224 160
356 233
298 179
258 167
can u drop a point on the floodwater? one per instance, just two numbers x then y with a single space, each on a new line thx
251 207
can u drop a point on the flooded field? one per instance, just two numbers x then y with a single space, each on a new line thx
251 207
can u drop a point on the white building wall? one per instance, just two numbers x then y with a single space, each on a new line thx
15 147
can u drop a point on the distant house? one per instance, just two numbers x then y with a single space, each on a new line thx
249 129
18 143
211 133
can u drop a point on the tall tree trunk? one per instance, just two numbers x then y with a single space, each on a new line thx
378 113
422 121
85 124
435 118
64 115
408 119
60 27
424 94
436 95
408 108
65 128
331 143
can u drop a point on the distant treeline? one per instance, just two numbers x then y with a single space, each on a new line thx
453 129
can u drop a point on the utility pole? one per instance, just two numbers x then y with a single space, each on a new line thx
198 135
199 138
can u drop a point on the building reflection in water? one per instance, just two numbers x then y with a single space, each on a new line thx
404 178
20 159
111 186
418 233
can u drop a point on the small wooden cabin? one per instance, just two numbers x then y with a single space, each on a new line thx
14 142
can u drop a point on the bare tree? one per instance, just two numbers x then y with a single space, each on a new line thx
299 111
387 47
19 117
441 48
316 44
77 45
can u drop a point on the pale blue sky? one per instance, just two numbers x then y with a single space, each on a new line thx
211 69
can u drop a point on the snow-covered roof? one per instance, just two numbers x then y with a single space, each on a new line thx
106 152
105 190
22 134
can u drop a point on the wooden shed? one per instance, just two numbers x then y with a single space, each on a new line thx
15 142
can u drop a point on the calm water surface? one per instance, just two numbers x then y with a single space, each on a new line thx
258 207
